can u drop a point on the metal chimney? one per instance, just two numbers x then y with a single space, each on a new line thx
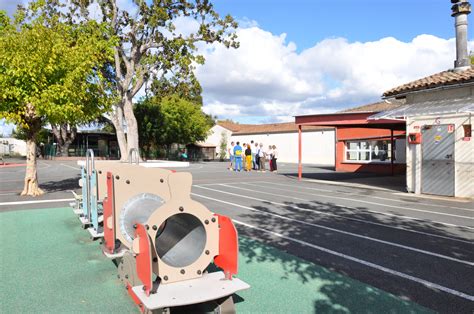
460 10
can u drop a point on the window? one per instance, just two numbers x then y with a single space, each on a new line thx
368 151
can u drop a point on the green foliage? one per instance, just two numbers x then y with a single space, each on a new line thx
150 46
48 72
186 88
40 137
184 121
223 146
150 124
169 120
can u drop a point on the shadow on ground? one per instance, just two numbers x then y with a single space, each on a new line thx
61 185
331 286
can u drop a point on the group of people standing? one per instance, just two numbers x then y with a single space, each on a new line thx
252 156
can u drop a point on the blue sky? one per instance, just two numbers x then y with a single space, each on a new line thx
309 21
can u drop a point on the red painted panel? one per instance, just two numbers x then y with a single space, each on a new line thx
228 246
144 259
109 232
134 297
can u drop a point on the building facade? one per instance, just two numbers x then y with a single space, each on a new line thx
440 150
362 145
320 149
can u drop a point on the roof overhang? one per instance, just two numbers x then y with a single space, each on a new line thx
427 108
353 119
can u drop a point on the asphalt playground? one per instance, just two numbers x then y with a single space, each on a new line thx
333 243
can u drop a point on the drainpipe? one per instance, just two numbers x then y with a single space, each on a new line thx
460 10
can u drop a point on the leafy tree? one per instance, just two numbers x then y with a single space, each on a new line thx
48 74
170 120
183 121
41 137
223 146
150 124
187 88
150 46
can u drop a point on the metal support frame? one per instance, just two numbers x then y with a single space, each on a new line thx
300 143
392 151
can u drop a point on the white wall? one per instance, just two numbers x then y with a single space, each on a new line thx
12 146
463 150
463 154
215 137
318 146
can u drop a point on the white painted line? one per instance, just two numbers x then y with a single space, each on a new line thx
376 197
349 184
75 168
345 232
37 202
261 192
426 283
342 206
378 204
355 219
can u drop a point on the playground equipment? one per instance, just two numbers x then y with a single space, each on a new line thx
168 246
88 205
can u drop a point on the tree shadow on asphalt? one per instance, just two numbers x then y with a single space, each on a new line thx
61 185
342 295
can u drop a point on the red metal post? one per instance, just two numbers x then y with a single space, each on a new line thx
300 166
392 142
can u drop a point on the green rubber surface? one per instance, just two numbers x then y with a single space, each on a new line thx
49 264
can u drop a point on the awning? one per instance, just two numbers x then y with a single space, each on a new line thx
434 107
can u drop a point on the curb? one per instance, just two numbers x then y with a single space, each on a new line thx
351 185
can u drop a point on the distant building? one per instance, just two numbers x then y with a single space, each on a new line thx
104 145
12 147
362 145
320 148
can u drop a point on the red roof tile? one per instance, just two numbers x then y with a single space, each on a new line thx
444 78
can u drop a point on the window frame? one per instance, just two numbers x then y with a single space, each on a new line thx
369 150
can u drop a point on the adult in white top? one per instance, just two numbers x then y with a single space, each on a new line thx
274 159
254 147
270 156
262 154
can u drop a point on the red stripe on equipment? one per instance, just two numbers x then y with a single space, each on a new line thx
143 258
228 246
109 230
134 297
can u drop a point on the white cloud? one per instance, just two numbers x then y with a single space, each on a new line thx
268 79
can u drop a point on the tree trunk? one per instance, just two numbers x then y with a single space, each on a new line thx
31 177
117 120
64 149
132 126
64 135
